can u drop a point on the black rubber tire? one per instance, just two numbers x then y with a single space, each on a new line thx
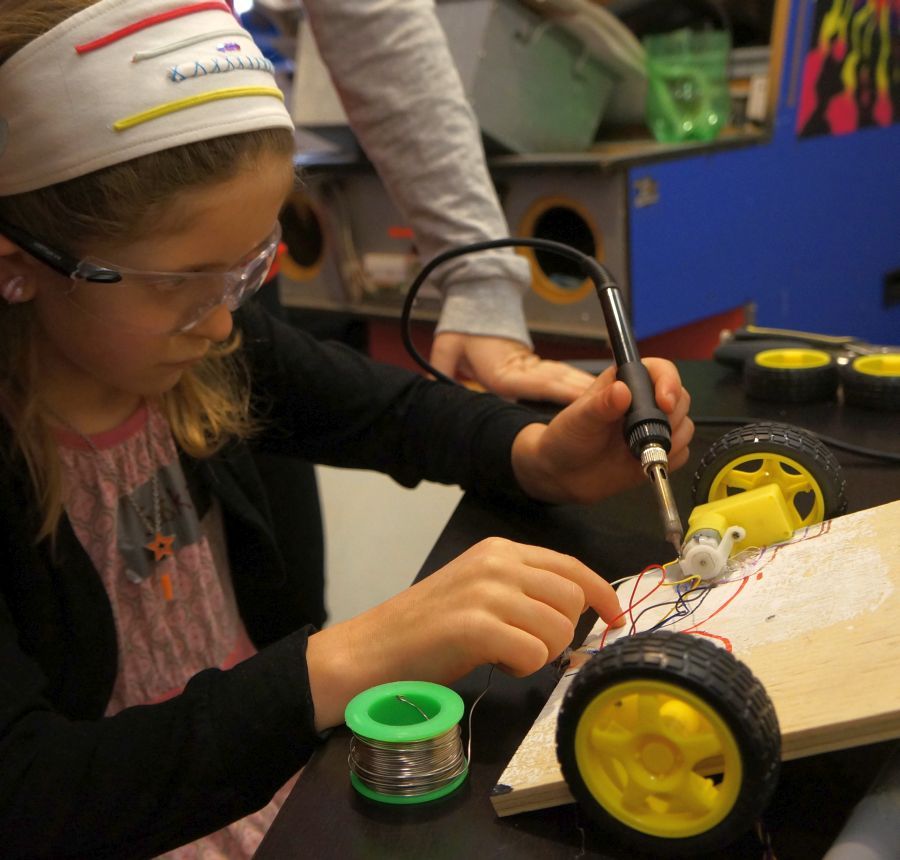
781 439
790 384
722 682
871 390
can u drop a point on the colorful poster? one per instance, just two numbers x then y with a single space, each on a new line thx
851 73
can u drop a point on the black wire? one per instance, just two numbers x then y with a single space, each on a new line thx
684 606
697 595
889 456
590 268
632 630
600 275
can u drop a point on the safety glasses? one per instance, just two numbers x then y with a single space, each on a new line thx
153 302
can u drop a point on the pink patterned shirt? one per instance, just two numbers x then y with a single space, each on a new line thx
173 618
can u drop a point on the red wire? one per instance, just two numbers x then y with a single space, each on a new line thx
631 603
150 22
716 611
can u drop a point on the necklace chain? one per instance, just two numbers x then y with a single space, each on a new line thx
159 545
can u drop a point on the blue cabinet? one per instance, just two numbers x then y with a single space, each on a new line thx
807 229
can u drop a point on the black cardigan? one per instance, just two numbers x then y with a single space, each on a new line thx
76 784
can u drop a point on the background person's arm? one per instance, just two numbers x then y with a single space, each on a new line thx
393 70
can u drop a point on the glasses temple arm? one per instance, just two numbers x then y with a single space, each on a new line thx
56 260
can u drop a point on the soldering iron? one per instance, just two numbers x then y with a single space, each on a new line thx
647 429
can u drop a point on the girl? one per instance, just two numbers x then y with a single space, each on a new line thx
159 679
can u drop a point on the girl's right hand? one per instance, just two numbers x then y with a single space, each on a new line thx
499 602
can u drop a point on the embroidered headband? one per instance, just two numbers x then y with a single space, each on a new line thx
123 78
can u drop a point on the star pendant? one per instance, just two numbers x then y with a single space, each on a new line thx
161 546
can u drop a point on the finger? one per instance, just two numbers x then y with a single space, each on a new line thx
602 406
667 385
598 594
518 652
446 354
555 629
594 413
682 407
681 438
561 593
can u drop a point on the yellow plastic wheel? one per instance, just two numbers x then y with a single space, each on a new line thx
766 453
873 382
644 747
793 359
669 743
752 471
791 375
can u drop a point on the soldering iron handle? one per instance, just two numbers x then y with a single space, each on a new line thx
621 340
645 422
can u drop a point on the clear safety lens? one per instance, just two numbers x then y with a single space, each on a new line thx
168 302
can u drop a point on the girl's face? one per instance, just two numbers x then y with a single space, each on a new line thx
88 355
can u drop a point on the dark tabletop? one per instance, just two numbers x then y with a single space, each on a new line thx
324 817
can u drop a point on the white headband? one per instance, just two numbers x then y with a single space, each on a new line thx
124 78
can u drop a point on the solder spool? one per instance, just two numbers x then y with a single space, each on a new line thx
406 747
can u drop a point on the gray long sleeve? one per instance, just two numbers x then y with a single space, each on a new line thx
392 68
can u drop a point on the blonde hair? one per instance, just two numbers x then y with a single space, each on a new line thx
211 402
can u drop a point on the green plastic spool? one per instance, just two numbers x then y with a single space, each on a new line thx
377 714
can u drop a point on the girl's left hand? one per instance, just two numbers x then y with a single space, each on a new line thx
581 455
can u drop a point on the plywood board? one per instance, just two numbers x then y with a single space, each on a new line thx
817 619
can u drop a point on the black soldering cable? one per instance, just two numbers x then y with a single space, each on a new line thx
589 266
874 453
602 279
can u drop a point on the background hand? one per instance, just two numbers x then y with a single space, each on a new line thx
507 368
581 456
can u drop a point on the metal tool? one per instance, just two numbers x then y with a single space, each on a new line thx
738 345
647 430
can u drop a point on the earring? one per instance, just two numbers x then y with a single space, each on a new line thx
13 289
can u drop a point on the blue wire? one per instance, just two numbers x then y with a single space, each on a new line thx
685 604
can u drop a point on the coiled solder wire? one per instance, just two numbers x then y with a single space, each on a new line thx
408 769
405 746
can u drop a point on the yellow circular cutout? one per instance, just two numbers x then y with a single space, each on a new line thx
794 359
801 490
878 365
533 225
646 749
